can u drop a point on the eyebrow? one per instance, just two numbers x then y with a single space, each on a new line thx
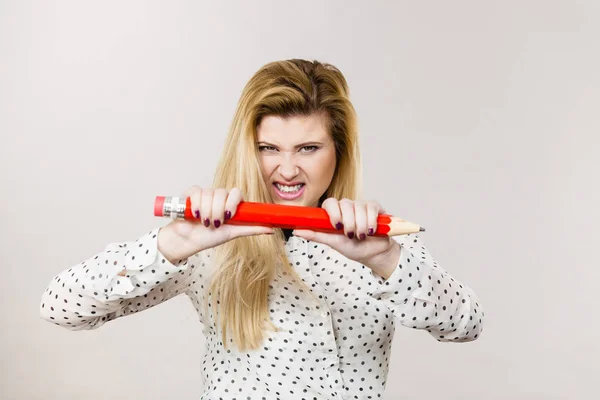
297 146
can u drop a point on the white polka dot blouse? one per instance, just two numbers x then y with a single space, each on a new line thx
338 348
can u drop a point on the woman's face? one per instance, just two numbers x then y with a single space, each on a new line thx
297 157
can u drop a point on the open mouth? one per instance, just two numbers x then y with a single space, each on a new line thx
289 192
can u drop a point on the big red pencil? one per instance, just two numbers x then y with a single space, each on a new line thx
281 216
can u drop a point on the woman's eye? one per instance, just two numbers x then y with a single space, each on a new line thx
261 148
308 149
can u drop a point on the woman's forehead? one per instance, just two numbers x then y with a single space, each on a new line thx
289 130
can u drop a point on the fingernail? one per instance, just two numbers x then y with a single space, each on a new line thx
371 231
339 225
363 236
217 223
227 215
197 214
350 235
206 222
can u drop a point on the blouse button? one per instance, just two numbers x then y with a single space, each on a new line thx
323 314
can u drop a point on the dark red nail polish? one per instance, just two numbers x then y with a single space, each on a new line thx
227 215
197 214
206 222
350 235
363 236
217 223
371 232
339 225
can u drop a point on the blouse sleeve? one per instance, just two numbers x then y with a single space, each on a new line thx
422 295
123 279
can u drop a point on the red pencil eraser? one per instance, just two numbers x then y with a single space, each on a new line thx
158 206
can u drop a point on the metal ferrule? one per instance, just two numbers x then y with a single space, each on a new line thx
174 207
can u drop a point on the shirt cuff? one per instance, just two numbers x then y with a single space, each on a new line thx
142 263
405 282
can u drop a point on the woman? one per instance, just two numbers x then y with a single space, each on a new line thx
302 316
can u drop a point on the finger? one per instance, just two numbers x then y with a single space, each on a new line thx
194 203
188 192
233 199
360 217
373 210
195 200
332 206
206 206
347 209
218 206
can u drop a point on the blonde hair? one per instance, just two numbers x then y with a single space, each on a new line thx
246 265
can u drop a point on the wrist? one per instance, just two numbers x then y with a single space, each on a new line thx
385 263
172 245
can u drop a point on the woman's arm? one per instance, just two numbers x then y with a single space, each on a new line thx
123 279
422 295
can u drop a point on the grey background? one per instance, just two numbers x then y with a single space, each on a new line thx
479 120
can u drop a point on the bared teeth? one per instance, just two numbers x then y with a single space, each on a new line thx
289 189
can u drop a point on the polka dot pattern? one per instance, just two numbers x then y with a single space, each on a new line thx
333 343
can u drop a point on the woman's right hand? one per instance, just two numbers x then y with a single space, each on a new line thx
183 238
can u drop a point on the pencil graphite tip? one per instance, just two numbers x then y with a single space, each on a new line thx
422 229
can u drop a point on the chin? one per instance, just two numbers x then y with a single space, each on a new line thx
297 202
294 202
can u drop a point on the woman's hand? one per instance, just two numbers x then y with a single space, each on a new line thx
359 222
211 207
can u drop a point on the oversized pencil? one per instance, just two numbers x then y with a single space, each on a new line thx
280 216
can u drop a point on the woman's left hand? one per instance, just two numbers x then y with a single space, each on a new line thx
359 222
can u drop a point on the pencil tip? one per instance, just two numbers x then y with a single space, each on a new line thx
422 229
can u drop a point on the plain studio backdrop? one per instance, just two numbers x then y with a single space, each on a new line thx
478 120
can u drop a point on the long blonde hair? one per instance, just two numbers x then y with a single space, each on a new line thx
245 266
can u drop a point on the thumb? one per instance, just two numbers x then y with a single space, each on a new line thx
248 230
313 236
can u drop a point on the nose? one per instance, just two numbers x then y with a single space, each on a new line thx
288 168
